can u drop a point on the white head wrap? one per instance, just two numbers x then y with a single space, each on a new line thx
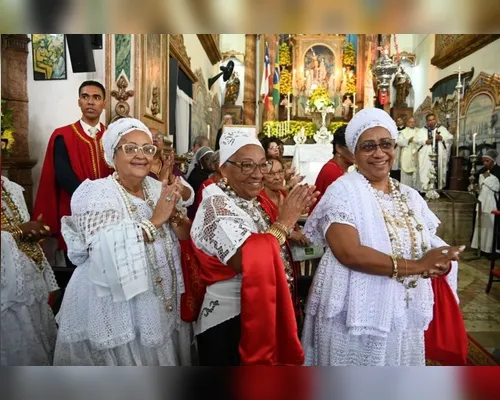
116 131
232 141
365 119
491 154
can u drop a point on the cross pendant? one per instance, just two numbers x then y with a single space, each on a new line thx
407 299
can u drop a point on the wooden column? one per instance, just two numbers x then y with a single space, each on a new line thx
17 166
249 100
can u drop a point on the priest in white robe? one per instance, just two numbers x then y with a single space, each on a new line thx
489 188
409 151
426 145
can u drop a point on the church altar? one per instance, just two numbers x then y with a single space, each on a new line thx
308 159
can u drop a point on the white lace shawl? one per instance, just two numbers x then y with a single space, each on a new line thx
100 232
220 227
21 280
370 300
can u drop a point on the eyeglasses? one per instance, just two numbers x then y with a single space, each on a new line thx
369 147
248 167
273 174
149 150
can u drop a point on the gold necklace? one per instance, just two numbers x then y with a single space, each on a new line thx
32 250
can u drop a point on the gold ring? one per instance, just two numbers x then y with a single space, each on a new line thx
47 228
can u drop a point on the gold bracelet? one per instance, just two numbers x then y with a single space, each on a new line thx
287 231
394 266
278 234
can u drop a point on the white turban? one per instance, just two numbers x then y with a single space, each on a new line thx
365 119
232 141
116 131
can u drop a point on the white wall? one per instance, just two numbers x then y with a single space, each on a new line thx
53 104
235 42
199 58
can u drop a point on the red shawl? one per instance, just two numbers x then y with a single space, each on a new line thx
330 172
87 160
268 327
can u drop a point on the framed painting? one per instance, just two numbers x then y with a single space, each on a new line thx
235 111
154 79
49 57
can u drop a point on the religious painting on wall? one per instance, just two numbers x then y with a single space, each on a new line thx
154 77
478 119
49 57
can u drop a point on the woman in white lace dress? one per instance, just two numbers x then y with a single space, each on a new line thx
370 302
247 315
122 304
28 328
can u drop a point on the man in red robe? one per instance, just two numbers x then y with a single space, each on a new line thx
74 154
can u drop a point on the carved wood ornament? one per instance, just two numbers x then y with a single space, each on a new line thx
211 45
178 50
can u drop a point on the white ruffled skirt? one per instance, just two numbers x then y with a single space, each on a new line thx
99 331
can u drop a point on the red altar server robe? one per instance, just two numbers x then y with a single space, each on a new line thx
87 161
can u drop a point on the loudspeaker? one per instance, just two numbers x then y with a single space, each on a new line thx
80 51
97 42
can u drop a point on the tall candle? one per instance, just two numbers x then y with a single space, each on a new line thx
208 131
434 142
474 143
269 130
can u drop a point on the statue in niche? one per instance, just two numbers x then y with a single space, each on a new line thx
402 84
232 90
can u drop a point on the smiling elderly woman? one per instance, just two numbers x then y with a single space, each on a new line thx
370 302
247 315
122 304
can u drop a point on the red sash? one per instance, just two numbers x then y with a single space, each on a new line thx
446 338
87 160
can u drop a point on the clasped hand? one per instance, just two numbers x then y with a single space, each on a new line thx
437 261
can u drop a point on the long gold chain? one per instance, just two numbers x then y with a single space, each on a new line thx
10 223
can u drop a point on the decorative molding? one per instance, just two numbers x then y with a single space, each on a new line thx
178 50
122 108
405 56
452 48
16 42
233 54
484 84
210 43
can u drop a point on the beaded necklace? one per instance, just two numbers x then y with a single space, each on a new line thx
405 218
262 220
32 250
155 277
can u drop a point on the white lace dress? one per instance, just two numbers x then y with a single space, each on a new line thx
111 314
353 318
28 327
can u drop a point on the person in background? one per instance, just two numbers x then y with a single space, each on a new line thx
226 120
371 299
337 166
122 304
199 142
28 328
273 147
213 178
409 154
489 189
74 154
201 172
396 167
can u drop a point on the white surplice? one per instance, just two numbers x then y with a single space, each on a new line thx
110 314
444 153
408 158
28 328
490 187
354 318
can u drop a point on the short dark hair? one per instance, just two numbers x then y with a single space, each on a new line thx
200 140
266 142
430 115
339 138
92 83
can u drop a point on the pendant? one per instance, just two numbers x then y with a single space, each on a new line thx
159 279
407 299
133 208
150 203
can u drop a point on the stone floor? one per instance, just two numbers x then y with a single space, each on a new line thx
481 311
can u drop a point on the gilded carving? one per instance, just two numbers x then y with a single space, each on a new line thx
178 50
122 108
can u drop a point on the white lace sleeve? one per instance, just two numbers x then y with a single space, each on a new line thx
432 222
220 227
190 201
98 231
333 208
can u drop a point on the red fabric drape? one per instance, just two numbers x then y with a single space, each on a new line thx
268 328
446 337
330 172
87 160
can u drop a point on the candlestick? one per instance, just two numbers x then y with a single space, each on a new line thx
458 87
434 141
269 130
474 143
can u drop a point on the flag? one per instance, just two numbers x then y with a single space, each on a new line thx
276 78
266 79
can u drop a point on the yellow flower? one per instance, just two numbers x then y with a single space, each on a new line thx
7 139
